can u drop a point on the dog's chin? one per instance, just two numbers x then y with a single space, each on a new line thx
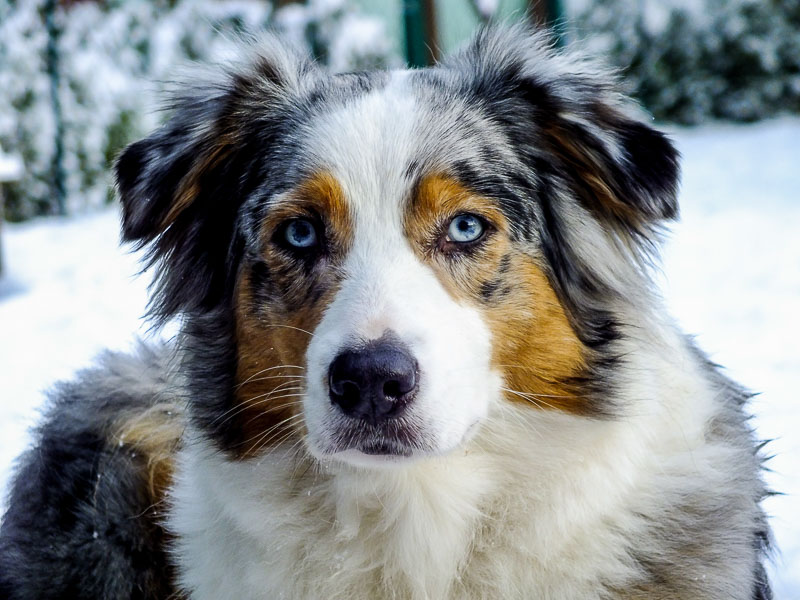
381 450
377 456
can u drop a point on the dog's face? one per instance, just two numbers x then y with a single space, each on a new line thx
374 262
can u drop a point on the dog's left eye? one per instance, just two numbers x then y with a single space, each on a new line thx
300 233
465 228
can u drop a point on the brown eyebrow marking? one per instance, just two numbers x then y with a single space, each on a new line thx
438 197
320 194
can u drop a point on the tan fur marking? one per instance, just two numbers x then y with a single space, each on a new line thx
272 339
439 198
189 188
534 345
270 372
319 195
155 434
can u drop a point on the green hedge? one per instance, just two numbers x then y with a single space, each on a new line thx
734 60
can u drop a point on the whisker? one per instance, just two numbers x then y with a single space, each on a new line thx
532 398
263 399
278 388
274 409
271 377
248 402
266 437
298 447
257 373
293 327
276 440
262 434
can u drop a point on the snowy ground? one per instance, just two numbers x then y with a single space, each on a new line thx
731 276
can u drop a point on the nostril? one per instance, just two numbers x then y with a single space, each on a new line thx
402 383
350 394
338 384
391 389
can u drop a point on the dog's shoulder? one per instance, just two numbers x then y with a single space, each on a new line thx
83 518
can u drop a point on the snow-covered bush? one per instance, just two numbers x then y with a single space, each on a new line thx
114 59
691 60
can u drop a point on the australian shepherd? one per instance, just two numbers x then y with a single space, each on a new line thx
420 355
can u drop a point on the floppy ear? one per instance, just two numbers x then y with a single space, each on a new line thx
176 197
562 109
182 186
621 169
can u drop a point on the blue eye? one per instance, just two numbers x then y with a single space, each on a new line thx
465 228
300 233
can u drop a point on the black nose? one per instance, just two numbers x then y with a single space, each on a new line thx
374 383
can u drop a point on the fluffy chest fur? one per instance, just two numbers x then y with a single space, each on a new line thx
517 513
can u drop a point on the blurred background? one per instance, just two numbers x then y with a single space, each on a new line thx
79 79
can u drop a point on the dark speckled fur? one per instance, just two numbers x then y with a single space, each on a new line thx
81 523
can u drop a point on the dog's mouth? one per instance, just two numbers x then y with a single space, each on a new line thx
396 439
384 448
361 443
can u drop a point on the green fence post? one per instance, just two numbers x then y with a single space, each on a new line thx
54 71
550 13
418 22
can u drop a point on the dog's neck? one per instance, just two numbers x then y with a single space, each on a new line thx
520 494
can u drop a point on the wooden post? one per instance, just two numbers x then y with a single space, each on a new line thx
10 170
550 14
419 20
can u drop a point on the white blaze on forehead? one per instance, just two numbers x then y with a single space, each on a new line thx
367 142
367 145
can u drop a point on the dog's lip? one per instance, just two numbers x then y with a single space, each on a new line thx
383 448
396 440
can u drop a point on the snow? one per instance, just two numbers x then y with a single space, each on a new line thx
10 167
67 292
731 276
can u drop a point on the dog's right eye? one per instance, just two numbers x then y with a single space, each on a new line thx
300 234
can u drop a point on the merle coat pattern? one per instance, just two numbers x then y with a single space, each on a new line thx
590 451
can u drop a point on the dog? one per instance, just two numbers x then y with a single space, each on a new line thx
420 355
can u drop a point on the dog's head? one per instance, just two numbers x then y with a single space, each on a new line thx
373 261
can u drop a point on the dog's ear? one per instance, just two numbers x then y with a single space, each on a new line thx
182 186
620 168
558 106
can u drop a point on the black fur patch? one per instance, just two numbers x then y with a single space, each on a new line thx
490 289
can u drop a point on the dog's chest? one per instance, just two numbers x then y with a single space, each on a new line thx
445 531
